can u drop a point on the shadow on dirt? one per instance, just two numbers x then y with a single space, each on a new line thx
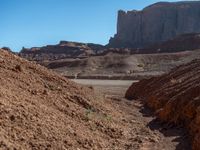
179 133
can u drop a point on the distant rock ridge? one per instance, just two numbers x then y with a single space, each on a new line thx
156 23
64 49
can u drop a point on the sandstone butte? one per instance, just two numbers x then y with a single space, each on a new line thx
40 109
175 97
156 23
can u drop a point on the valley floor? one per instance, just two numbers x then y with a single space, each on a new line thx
140 129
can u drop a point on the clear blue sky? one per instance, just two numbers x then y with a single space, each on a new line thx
32 23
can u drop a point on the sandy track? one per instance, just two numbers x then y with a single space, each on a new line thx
105 82
143 131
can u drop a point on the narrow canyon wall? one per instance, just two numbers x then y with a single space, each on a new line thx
156 23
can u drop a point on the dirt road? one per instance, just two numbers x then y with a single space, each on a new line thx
143 131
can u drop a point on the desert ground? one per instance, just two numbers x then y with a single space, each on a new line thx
41 109
140 90
144 131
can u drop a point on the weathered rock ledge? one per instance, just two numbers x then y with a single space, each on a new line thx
175 97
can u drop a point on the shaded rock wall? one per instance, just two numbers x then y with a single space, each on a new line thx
184 42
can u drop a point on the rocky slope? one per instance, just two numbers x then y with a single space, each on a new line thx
40 109
156 23
175 97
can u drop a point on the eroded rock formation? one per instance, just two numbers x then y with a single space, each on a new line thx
156 23
175 97
62 50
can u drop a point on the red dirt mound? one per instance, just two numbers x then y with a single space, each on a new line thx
175 97
41 110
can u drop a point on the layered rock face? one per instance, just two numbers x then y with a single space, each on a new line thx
175 97
156 23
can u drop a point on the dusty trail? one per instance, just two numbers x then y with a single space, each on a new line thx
143 131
